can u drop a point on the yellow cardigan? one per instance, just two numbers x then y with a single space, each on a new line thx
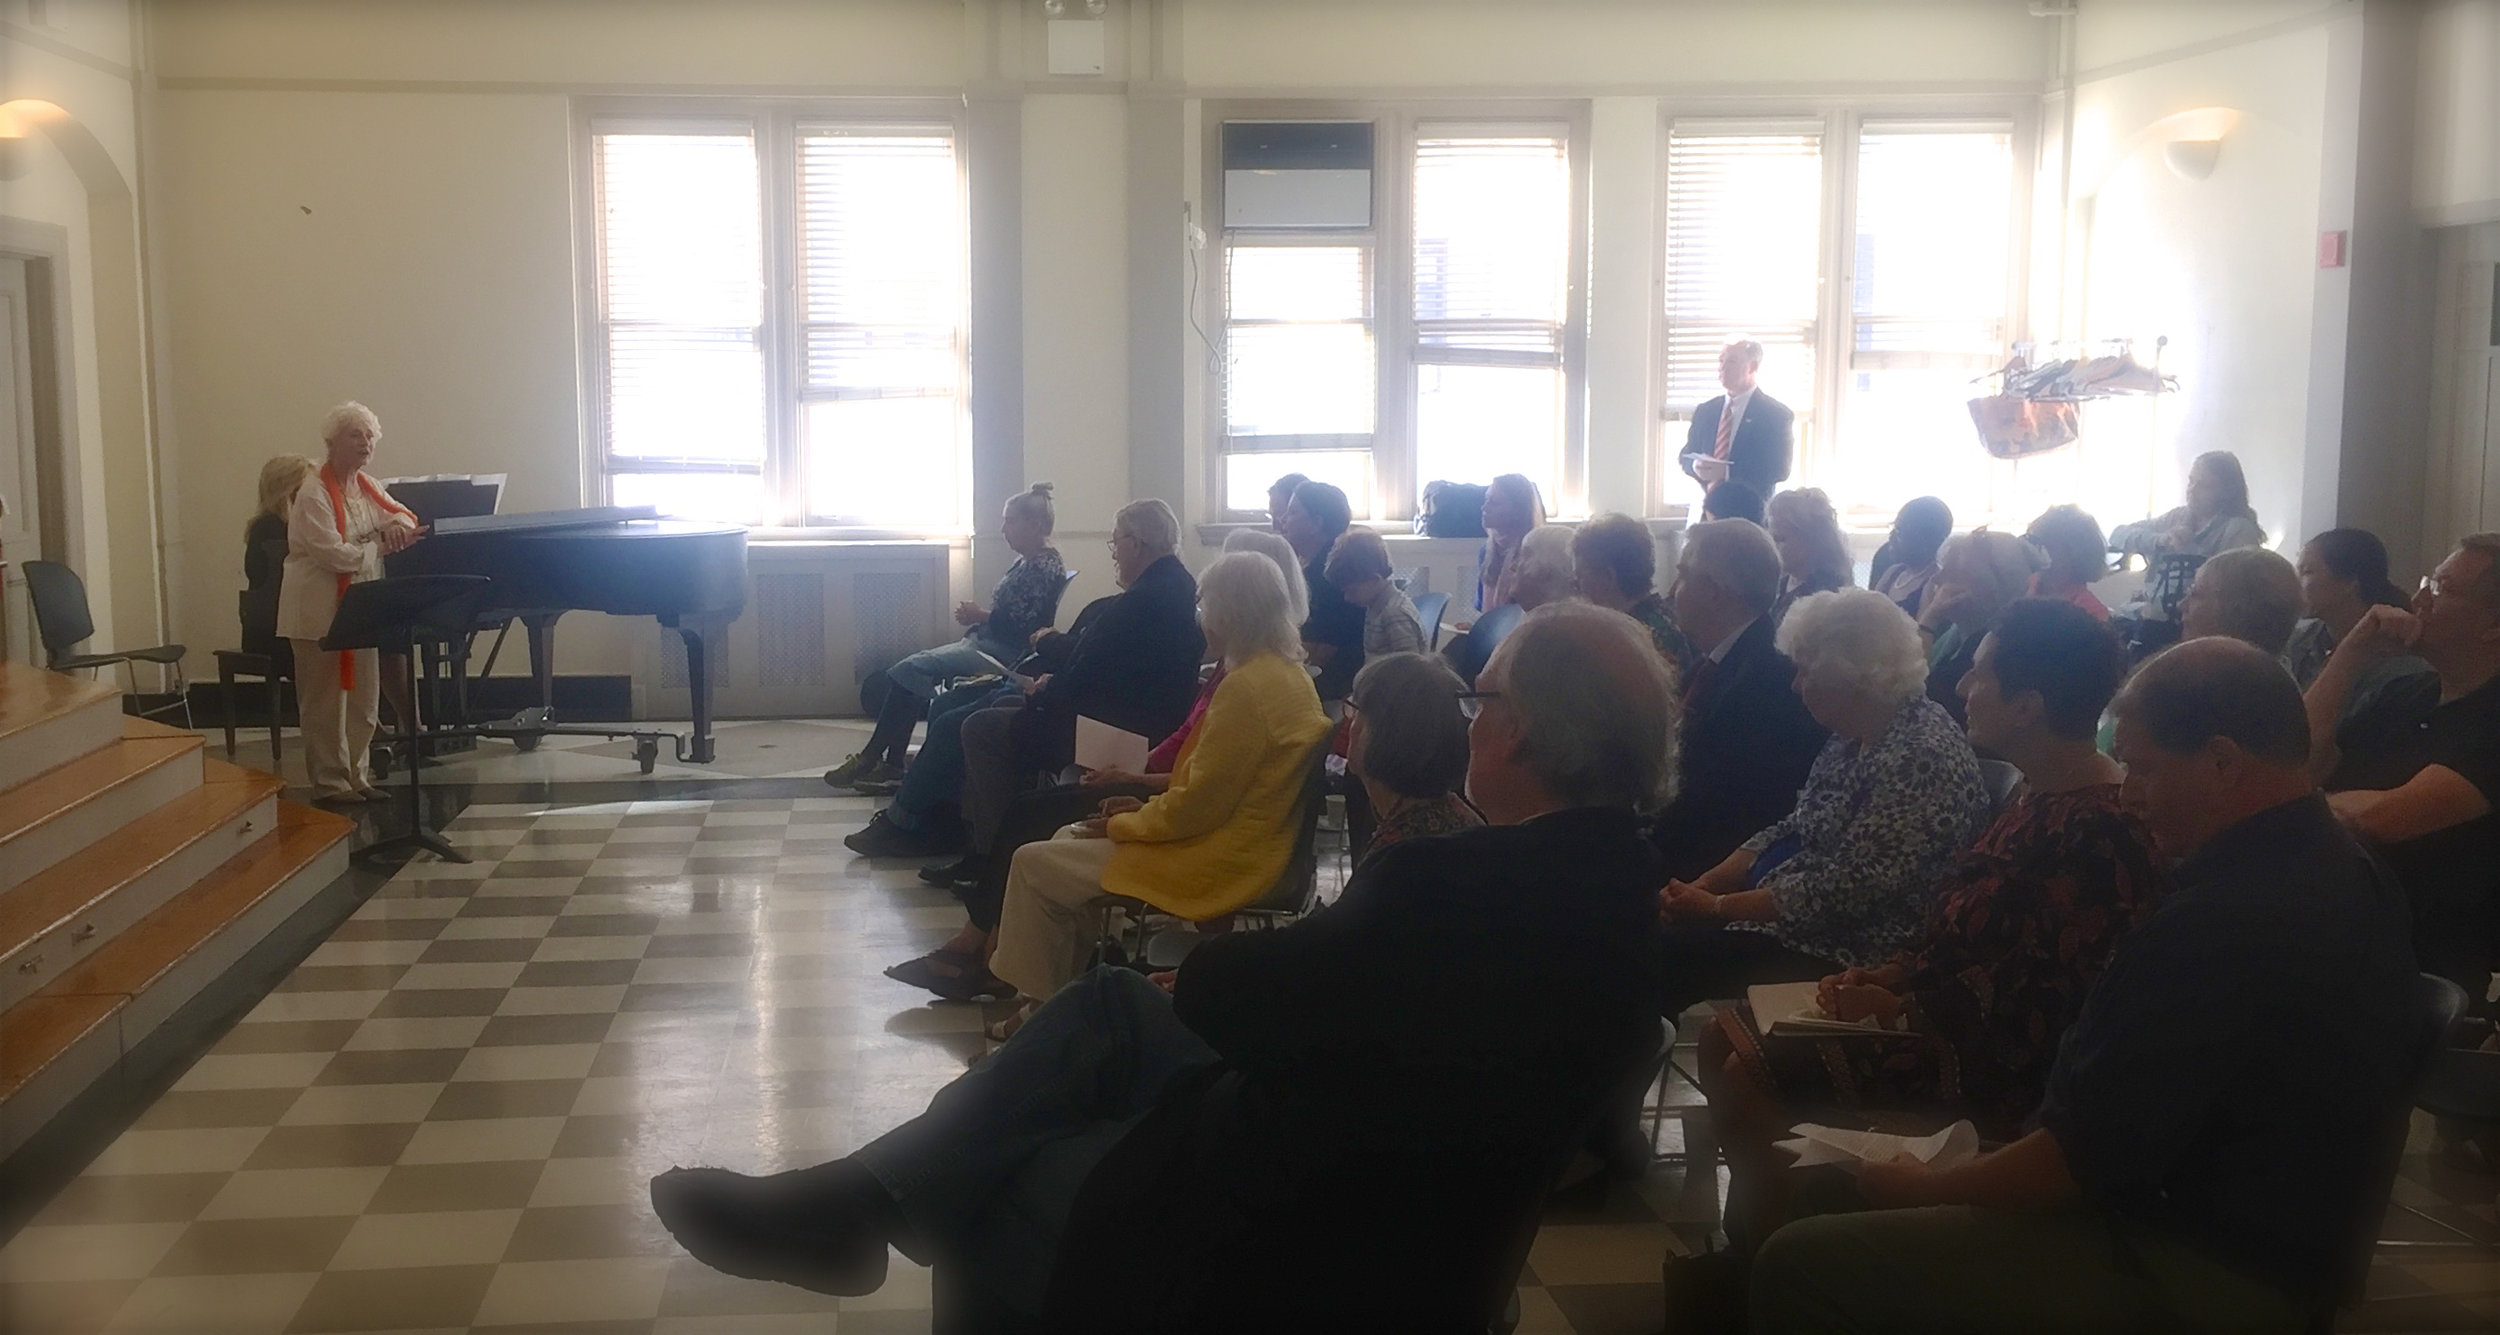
1222 833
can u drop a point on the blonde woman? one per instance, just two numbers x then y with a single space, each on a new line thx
1814 557
1977 574
339 527
1220 832
264 553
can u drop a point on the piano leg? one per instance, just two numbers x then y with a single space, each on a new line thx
698 687
542 635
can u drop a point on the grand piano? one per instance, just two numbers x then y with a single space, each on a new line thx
621 560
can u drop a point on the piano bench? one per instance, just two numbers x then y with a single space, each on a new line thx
270 668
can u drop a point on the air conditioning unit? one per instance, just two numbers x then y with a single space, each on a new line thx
1298 174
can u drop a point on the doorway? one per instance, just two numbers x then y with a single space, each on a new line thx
29 480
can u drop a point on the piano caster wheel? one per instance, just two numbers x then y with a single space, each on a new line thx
525 742
647 753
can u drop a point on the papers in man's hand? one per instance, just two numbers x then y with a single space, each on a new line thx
1101 746
1791 1008
1853 1149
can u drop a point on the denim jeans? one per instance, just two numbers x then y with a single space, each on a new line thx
922 673
936 776
987 1176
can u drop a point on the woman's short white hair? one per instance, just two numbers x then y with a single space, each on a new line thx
1857 640
1246 610
1545 572
1271 544
350 413
2004 561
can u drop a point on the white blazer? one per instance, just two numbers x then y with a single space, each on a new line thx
316 555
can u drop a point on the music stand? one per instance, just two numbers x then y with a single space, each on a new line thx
394 614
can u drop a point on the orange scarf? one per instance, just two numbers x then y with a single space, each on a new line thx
338 512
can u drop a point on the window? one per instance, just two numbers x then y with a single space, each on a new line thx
1744 223
842 404
1880 365
1434 338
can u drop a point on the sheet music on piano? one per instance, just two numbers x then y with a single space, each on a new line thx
438 497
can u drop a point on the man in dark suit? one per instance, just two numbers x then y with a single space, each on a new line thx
1344 1124
1743 434
1748 740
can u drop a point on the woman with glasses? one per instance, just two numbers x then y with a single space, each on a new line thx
1406 742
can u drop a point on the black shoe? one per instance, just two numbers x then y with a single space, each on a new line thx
824 1228
963 871
885 839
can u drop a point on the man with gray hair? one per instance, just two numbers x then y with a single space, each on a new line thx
1747 739
1340 1124
1743 435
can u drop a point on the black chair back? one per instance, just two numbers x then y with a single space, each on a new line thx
61 616
1429 609
1470 652
1293 890
2438 1005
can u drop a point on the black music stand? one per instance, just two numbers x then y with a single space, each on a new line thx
394 614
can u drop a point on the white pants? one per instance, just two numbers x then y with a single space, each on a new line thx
1048 923
338 724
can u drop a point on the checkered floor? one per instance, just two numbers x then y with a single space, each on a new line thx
444 1117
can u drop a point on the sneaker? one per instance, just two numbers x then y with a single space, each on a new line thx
885 839
848 773
881 781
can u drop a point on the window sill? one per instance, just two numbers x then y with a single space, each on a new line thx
853 537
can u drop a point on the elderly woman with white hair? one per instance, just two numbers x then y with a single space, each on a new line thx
339 527
1977 575
1219 833
1842 880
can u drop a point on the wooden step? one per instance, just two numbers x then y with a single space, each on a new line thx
56 1043
74 908
56 814
48 719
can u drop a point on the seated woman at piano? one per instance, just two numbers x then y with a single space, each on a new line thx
1025 601
339 527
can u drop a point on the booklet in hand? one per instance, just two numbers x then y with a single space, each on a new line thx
1791 1008
1101 746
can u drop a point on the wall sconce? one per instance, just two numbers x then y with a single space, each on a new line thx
2192 140
19 120
1058 9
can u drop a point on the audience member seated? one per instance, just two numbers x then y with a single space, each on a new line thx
1341 1124
1359 566
1134 667
2416 772
1332 636
1977 574
1221 830
1907 560
1748 741
1279 495
1406 743
2343 573
2016 933
2070 541
1025 600
1542 572
1733 500
2213 1147
1843 880
2216 518
264 554
1512 509
1814 557
959 969
1614 564
2248 594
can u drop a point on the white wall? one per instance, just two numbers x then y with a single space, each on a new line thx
2458 176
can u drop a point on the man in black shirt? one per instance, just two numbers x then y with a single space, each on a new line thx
2192 1169
2416 771
1333 636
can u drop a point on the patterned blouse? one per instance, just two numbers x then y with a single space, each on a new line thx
2018 932
1655 616
1411 819
1026 599
1875 829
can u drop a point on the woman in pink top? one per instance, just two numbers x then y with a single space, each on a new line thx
2078 557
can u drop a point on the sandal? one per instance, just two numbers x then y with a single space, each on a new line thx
1000 1031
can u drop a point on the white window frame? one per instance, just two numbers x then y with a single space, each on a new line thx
1397 126
776 125
1840 123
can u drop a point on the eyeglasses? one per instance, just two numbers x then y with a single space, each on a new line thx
1471 703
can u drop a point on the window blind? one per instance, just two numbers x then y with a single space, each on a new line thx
681 301
1934 221
1492 245
1298 344
1744 217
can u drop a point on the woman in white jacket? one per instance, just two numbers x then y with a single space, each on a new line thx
338 529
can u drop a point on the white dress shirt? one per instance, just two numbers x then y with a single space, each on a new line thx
316 555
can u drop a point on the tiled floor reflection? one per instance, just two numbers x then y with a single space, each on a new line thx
444 1118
